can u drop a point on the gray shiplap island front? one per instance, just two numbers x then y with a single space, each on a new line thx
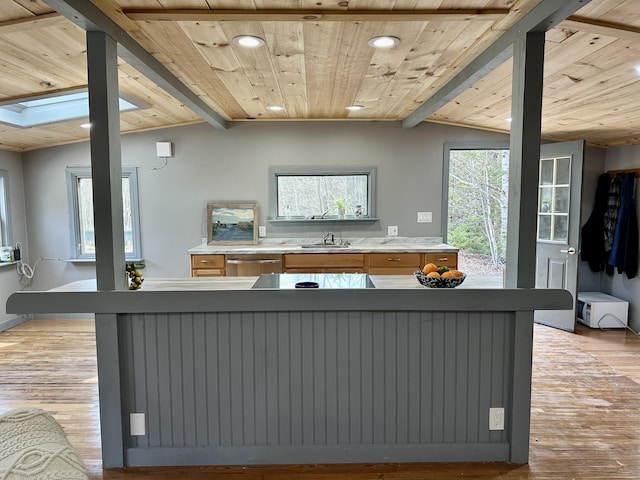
226 374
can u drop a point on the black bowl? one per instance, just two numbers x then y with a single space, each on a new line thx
439 282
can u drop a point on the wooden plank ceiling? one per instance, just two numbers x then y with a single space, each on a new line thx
316 61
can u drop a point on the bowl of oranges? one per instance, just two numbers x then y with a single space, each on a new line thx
433 276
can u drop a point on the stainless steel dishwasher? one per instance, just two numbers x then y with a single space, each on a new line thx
253 264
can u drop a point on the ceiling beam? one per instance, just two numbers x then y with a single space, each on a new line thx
90 18
544 16
19 24
286 15
607 29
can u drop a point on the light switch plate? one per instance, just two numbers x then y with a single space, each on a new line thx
136 420
392 231
496 418
262 231
425 217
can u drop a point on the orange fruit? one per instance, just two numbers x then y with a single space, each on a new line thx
456 273
429 267
433 274
448 274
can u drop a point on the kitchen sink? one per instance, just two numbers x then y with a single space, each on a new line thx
323 245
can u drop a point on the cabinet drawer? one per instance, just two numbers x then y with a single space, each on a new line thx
311 260
392 270
207 261
207 272
393 260
448 259
326 270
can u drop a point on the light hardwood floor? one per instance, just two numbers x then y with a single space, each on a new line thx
585 415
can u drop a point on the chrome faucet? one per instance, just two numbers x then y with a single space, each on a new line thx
326 236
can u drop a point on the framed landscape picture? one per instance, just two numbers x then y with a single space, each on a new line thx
232 223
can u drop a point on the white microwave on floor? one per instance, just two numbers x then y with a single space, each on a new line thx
599 310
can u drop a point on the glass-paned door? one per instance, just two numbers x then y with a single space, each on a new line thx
553 195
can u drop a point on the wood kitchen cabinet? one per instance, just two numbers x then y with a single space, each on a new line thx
391 263
325 263
448 259
208 266
394 263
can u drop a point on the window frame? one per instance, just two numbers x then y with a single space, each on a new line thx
274 172
6 235
75 173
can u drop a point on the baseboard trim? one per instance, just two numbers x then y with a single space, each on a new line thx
11 322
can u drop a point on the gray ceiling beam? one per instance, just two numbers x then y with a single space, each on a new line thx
90 18
544 16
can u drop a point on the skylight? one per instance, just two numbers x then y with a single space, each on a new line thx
43 110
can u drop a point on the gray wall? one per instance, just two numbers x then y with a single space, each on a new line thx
9 278
212 165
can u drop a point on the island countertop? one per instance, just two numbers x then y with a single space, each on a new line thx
400 292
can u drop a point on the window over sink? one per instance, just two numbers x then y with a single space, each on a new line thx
322 193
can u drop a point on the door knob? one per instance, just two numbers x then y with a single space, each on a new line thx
570 251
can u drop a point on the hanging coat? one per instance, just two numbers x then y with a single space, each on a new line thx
624 252
631 245
592 249
611 217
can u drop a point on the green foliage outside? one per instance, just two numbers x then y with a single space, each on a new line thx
469 238
478 184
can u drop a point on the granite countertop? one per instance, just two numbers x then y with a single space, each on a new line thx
356 245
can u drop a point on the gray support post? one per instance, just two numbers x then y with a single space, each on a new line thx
109 390
520 407
106 164
526 111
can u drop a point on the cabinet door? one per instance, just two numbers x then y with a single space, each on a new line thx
449 259
207 265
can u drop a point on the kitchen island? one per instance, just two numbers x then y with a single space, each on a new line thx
229 374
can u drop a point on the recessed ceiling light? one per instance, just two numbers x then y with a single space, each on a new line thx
248 41
275 108
85 125
638 69
384 42
355 107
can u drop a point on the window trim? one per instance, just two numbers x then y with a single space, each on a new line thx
5 210
274 172
72 174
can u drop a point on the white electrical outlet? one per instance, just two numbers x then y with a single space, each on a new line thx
136 420
392 231
496 418
425 217
262 231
